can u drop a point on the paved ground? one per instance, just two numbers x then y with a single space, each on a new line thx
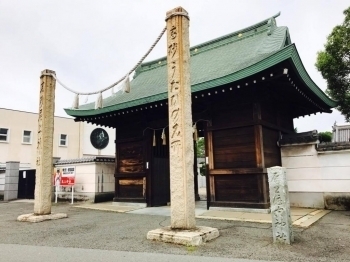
301 217
59 254
106 234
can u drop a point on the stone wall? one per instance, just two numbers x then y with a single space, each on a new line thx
11 180
2 183
318 174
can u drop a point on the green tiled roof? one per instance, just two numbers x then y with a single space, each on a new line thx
220 61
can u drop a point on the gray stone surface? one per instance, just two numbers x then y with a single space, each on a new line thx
10 195
11 180
131 204
193 237
40 218
248 210
12 165
280 207
11 187
337 201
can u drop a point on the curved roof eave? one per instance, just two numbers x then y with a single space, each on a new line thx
288 52
309 82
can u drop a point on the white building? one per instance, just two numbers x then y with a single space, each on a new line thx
18 138
341 133
318 174
72 142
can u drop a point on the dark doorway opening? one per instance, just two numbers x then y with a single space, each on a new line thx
26 184
160 170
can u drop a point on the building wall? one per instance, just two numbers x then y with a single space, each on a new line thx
318 179
341 133
71 128
78 142
88 149
88 181
104 177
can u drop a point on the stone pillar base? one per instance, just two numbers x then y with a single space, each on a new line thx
194 237
39 218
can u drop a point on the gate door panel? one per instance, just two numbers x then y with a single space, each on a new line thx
130 175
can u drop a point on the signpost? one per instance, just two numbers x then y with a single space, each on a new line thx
64 177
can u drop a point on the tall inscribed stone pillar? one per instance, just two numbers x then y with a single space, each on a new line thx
183 229
180 120
282 228
43 182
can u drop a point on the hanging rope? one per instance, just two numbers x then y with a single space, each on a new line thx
120 80
163 136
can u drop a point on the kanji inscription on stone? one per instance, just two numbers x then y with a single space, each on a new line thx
282 228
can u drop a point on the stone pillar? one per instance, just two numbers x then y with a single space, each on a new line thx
43 182
11 180
282 228
180 120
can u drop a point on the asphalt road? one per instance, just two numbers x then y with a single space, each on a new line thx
89 235
20 253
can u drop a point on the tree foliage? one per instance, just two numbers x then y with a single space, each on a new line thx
200 147
325 136
334 64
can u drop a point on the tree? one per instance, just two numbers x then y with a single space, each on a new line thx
200 154
200 147
325 136
334 64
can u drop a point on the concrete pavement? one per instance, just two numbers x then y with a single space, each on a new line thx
301 217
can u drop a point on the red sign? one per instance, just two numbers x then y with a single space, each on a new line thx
67 180
64 176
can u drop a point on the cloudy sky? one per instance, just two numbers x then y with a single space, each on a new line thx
91 44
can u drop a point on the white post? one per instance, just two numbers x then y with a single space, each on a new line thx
56 192
72 195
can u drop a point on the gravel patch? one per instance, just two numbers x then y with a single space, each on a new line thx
327 240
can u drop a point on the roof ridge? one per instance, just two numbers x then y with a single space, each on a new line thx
247 29
158 61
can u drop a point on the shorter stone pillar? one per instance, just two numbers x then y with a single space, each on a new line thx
282 228
11 180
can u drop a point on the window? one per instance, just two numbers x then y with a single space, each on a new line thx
63 140
4 134
27 137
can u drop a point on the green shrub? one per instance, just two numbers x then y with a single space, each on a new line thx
325 137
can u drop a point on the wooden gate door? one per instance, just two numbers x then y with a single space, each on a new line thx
26 184
131 171
160 172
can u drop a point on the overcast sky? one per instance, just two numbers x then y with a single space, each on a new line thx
91 44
